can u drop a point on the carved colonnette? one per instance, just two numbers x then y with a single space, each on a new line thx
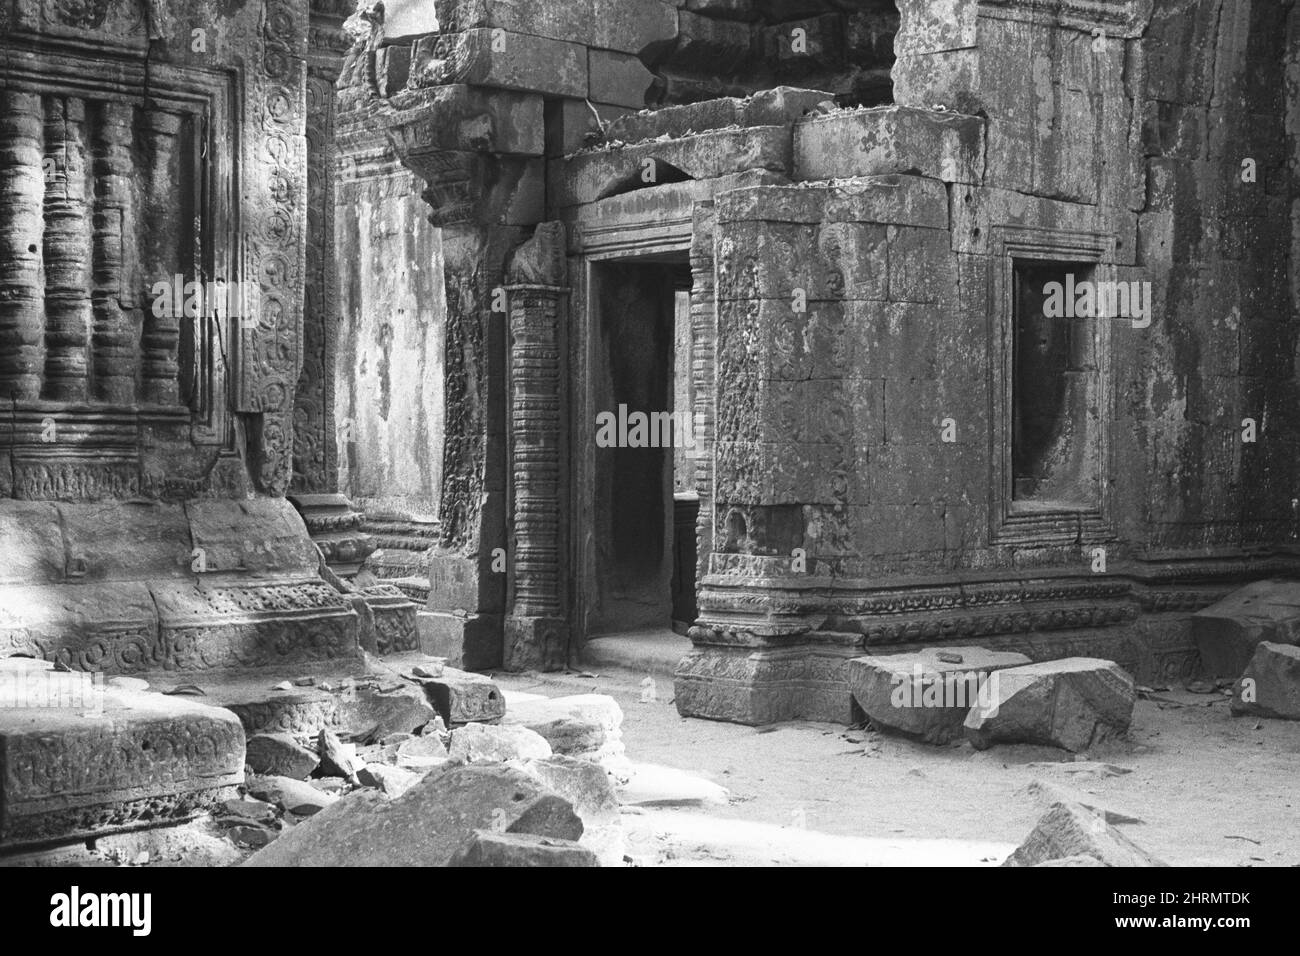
536 625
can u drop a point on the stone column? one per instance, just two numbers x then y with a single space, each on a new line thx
536 627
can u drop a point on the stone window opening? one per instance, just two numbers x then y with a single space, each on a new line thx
1054 393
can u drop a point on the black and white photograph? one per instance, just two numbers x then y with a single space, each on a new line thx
650 434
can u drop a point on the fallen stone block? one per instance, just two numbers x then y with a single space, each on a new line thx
391 781
486 743
427 824
1047 794
581 725
461 697
293 796
351 706
280 755
1069 830
1270 686
337 758
71 770
1227 632
584 784
490 848
923 695
1072 703
421 753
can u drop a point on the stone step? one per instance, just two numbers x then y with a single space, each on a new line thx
80 757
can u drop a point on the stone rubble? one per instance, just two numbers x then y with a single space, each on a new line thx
1067 831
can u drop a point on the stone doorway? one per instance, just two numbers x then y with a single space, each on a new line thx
634 439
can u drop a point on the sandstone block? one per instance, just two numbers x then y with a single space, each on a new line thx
891 139
1072 703
607 24
509 61
927 693
1270 686
460 697
1228 632
618 78
584 784
1067 831
69 770
577 726
488 848
427 824
480 743
280 755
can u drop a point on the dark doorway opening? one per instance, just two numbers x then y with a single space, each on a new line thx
642 577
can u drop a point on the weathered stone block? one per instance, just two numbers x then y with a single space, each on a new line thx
890 139
978 210
427 824
775 107
898 200
472 641
1072 703
406 20
462 117
70 772
581 725
583 783
571 125
511 61
711 46
1228 632
927 694
946 79
607 24
594 175
489 848
461 697
393 68
936 25
618 78
493 743
1270 686
1068 830
280 755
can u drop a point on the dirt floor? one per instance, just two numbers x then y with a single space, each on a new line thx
1210 789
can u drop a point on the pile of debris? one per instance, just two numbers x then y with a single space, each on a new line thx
531 786
412 762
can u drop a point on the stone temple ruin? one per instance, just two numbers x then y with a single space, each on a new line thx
309 314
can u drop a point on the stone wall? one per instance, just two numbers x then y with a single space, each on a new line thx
153 260
1112 135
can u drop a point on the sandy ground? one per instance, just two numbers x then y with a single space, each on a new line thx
1210 789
